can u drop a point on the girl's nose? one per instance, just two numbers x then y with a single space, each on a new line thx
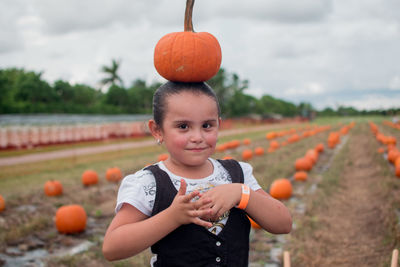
196 136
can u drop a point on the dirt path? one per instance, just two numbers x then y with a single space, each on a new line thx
115 147
351 226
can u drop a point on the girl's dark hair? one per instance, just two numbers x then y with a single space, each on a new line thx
171 88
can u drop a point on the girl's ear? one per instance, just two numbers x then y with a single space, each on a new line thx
219 122
155 130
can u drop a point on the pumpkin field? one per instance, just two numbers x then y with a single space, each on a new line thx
340 179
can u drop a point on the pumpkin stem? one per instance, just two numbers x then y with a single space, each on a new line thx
188 16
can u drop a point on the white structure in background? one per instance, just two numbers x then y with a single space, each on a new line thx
14 137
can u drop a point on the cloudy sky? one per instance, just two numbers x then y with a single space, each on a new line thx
326 52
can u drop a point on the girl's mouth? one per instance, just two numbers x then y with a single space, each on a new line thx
199 149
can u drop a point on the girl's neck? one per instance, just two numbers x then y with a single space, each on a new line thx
191 172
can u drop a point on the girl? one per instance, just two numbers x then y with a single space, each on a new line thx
190 208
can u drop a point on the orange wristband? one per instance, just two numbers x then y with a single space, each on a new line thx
245 197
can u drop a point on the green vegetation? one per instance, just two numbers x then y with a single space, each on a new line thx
26 92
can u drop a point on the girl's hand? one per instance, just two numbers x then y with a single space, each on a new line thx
222 198
185 211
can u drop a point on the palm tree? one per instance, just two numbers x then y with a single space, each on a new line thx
112 74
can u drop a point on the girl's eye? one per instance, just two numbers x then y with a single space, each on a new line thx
183 126
207 125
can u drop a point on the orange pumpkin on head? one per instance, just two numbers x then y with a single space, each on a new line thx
188 56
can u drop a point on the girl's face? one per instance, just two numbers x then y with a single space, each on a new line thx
190 128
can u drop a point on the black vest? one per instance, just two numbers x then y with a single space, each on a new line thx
193 245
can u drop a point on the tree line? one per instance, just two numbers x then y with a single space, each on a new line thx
26 92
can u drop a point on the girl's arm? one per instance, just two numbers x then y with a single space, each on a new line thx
131 231
267 211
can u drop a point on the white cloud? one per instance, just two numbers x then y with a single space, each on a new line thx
373 101
324 52
311 88
394 83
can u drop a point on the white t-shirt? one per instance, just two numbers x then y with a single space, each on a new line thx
139 189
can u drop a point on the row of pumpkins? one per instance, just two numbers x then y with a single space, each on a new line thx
393 153
71 219
282 188
247 154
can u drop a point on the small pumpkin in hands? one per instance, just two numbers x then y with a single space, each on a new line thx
70 219
53 188
187 56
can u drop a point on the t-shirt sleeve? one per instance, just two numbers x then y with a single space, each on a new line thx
138 190
249 178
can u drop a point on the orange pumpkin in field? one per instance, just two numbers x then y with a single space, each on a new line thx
381 150
397 171
162 157
227 157
2 203
113 174
90 177
300 176
271 135
53 188
319 148
393 154
303 164
274 144
397 162
70 219
312 155
254 225
259 151
187 56
247 154
221 148
281 189
233 144
293 138
246 141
